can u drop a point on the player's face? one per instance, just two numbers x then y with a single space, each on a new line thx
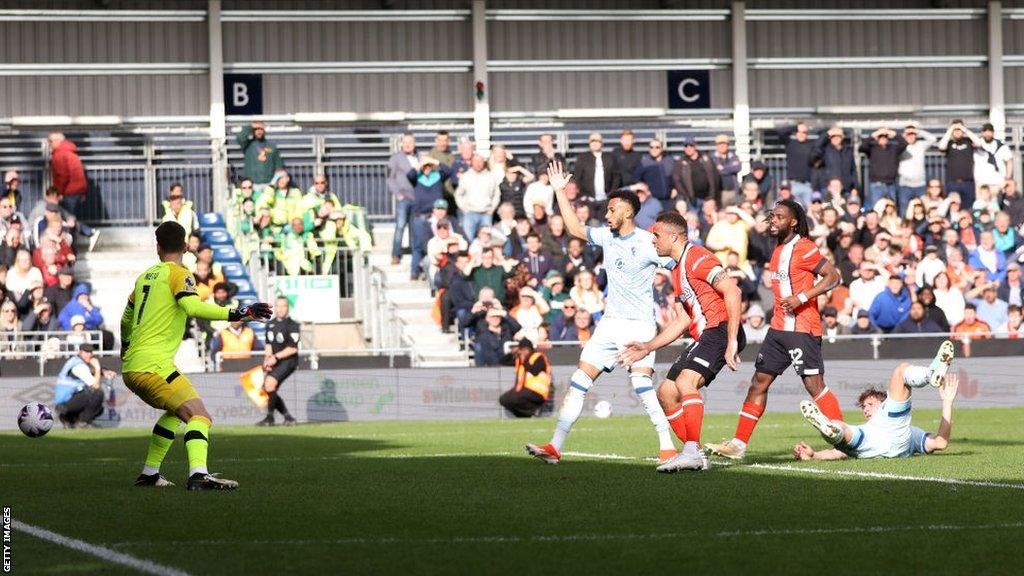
617 210
870 406
780 222
281 308
664 238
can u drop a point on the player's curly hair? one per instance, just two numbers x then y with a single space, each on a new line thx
801 228
629 197
871 393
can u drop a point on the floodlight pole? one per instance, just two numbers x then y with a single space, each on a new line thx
740 101
218 152
481 99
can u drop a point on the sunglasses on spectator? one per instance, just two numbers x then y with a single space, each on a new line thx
177 197
244 187
318 182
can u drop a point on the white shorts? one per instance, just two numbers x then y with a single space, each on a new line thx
611 336
887 434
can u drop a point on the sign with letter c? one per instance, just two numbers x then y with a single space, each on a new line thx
689 89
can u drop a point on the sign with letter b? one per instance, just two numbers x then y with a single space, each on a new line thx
243 94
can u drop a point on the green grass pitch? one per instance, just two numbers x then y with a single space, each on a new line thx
462 497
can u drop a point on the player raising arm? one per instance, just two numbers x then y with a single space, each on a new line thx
888 432
710 296
151 329
630 261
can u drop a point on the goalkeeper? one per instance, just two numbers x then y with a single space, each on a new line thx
151 331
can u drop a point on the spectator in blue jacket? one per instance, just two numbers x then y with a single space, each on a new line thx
728 166
834 157
428 187
917 322
655 170
892 305
81 305
986 257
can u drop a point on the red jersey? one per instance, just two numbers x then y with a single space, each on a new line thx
795 266
698 268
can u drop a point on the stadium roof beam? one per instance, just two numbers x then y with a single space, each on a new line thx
102 15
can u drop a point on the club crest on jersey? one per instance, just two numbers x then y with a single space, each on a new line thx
782 276
619 263
686 295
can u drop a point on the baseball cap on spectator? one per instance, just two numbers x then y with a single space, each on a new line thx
85 347
77 319
758 165
829 311
722 139
552 278
65 271
863 314
441 203
689 141
595 136
525 343
755 310
10 175
785 185
816 197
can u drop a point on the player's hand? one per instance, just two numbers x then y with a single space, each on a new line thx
948 389
558 178
632 352
732 355
803 452
789 303
260 311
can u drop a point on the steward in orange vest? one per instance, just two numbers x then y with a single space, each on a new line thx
236 341
533 382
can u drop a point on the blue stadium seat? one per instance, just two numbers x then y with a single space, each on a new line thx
211 220
245 299
226 253
244 286
233 271
216 236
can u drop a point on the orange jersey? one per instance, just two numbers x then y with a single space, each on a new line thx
795 266
706 307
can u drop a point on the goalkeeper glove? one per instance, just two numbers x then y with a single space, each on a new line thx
258 311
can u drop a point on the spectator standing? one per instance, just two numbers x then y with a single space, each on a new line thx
883 151
401 189
993 161
78 395
892 305
1011 290
958 144
177 209
655 170
799 152
262 159
596 171
834 157
1011 201
627 158
11 190
912 174
695 177
428 179
67 173
545 155
728 166
477 196
533 382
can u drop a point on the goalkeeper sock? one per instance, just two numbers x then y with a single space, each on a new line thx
160 442
916 376
197 444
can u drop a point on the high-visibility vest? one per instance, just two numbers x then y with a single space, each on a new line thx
186 217
237 346
539 383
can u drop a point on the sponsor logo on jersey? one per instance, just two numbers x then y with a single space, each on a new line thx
782 276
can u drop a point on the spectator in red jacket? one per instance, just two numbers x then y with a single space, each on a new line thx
68 174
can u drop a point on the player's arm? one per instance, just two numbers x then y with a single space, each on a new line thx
183 286
803 451
726 286
940 441
634 351
127 323
830 278
559 180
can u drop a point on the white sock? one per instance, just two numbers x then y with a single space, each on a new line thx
644 388
572 407
739 443
149 470
197 470
916 376
691 449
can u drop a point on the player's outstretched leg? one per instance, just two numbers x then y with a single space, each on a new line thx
159 443
831 431
940 364
197 444
572 407
643 385
691 411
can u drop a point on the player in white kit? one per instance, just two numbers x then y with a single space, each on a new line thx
630 261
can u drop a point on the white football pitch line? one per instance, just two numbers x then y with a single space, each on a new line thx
870 530
100 552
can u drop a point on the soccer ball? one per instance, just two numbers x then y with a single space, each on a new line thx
35 419
603 409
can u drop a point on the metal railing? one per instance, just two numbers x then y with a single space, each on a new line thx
314 355
15 344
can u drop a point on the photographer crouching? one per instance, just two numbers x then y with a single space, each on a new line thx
78 395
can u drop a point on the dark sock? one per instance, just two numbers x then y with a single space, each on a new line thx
271 404
282 408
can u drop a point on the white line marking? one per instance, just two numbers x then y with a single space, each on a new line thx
870 529
885 476
100 552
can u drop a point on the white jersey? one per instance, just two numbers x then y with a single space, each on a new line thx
630 262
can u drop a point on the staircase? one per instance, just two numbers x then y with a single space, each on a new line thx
121 254
412 303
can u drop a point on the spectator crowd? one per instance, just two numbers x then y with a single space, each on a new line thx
916 254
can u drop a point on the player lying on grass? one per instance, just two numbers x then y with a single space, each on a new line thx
888 433
151 329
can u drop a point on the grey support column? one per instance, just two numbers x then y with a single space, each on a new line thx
740 101
996 94
481 106
217 122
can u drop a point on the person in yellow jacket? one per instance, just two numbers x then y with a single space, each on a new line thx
283 199
293 249
177 209
318 204
533 382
